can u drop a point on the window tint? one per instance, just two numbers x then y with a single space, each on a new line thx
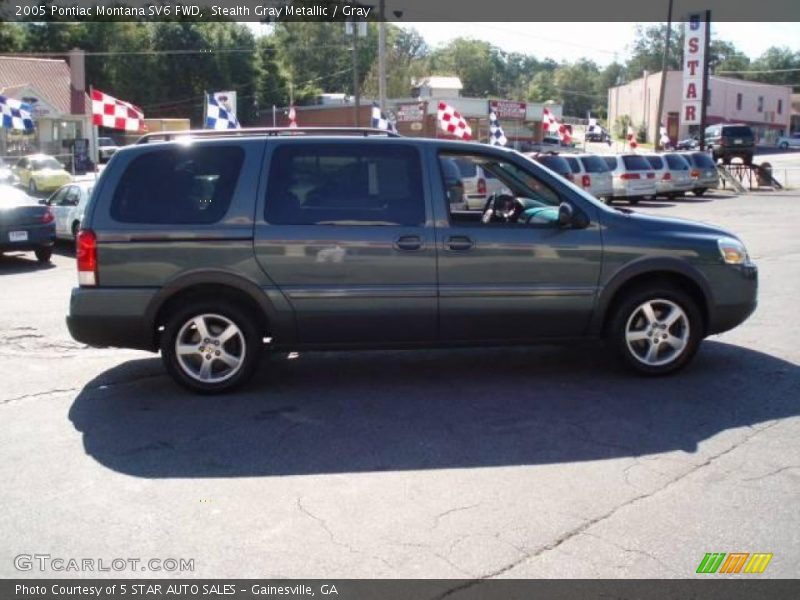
594 164
466 168
677 163
741 131
636 163
180 185
556 163
611 161
345 184
655 162
573 164
703 160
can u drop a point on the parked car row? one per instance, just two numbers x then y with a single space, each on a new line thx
635 177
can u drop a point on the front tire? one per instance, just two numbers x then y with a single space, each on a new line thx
700 191
784 146
656 330
633 201
211 347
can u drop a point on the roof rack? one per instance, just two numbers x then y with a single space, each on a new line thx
166 136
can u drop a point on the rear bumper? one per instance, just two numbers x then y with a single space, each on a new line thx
113 317
39 236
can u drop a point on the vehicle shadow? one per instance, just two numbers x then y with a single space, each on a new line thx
388 411
64 248
21 262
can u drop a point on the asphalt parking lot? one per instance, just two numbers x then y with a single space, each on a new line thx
529 462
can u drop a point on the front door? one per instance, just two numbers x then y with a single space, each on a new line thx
347 235
520 277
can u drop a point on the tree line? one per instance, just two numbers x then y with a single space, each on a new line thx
165 67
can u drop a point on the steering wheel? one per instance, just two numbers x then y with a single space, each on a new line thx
501 208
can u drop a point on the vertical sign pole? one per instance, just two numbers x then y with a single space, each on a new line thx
704 102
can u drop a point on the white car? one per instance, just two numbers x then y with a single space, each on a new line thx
789 141
106 147
68 204
592 174
673 174
479 184
633 177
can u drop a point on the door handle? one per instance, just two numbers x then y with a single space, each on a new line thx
408 242
459 242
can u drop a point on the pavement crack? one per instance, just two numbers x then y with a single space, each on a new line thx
324 525
442 515
37 395
580 529
772 473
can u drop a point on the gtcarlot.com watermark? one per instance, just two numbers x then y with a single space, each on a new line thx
46 563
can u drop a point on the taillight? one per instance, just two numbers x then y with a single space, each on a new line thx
86 253
586 181
47 216
629 176
667 176
481 185
695 173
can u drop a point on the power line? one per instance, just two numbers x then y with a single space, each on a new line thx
745 72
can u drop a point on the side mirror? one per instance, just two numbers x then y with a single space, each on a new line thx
565 214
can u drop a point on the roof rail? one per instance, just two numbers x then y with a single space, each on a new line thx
166 136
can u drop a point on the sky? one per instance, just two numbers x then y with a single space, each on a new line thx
601 42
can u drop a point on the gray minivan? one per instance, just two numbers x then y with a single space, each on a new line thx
221 245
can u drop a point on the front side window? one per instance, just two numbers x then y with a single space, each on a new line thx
191 185
518 197
345 184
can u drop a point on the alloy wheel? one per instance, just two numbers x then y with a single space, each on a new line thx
210 348
657 332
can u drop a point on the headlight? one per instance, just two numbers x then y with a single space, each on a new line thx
733 251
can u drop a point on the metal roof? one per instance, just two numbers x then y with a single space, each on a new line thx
50 77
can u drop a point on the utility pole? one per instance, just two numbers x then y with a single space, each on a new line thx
382 55
662 89
704 103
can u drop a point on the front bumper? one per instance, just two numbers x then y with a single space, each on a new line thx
735 296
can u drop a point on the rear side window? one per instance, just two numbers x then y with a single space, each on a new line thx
178 186
573 164
594 164
345 184
636 163
676 163
655 162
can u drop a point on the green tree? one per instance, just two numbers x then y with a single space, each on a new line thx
273 87
473 61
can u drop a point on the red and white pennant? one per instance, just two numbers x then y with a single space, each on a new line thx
109 112
551 125
632 138
450 121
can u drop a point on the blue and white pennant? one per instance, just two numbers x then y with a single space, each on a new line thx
15 114
217 117
379 120
496 135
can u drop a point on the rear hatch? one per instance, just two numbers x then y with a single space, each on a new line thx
638 165
737 136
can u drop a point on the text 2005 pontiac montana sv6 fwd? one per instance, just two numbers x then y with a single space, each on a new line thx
213 247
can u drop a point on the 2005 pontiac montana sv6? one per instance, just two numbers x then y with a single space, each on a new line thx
212 247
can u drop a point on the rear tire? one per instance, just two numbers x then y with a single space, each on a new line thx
633 201
655 330
43 255
211 347
75 227
700 191
784 146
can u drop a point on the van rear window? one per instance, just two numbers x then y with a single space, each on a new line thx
677 162
737 131
656 162
573 164
178 186
594 164
703 161
636 163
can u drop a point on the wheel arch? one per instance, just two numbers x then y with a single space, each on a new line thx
215 286
645 271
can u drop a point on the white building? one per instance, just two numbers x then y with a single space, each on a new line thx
766 108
